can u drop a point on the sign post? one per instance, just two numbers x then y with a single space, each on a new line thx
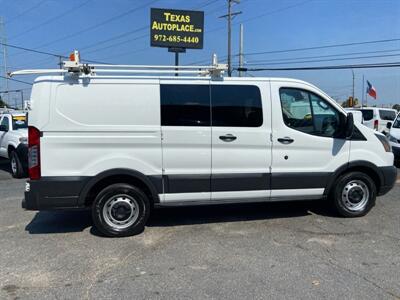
176 30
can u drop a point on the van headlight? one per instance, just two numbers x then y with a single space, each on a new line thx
23 140
384 141
393 139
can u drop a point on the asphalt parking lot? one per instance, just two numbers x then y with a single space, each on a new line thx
290 250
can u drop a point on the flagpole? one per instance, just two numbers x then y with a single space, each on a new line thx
362 94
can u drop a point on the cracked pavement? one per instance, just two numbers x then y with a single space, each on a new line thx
275 250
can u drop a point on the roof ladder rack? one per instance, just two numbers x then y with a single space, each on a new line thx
74 66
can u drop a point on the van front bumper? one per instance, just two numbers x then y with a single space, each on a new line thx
53 193
389 177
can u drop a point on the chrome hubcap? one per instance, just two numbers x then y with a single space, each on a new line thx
121 211
13 165
355 195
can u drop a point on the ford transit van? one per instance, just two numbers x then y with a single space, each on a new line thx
122 145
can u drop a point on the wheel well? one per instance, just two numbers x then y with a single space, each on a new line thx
95 189
370 172
9 149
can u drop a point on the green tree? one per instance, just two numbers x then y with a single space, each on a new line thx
396 107
2 103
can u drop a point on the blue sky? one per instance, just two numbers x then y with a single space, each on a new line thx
61 26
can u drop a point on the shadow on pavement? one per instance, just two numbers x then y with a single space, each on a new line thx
235 213
47 222
5 165
59 222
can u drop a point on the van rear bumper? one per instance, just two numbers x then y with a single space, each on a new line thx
53 193
389 177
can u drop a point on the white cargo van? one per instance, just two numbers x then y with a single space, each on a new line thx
123 145
394 137
377 118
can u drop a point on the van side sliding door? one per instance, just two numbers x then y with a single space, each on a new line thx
241 146
186 140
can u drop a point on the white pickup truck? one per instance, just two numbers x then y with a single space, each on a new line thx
13 141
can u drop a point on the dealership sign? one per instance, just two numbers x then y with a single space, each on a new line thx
176 28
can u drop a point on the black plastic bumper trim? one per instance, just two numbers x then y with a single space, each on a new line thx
389 176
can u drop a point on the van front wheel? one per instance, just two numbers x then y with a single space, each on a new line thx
354 194
17 170
120 210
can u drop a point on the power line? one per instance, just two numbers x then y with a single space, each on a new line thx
274 11
321 56
68 36
26 11
48 53
312 48
323 47
338 67
109 20
72 9
32 50
16 80
128 33
323 60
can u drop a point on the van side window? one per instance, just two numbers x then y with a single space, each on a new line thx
309 113
185 105
368 114
236 106
387 115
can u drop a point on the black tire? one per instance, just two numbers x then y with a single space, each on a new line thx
17 171
348 189
120 197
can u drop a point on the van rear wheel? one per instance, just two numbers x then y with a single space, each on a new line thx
354 194
120 210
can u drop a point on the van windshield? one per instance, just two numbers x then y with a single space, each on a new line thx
387 115
19 122
396 123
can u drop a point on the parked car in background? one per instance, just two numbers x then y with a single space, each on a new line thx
357 115
377 118
13 141
394 137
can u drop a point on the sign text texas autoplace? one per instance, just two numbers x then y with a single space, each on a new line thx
176 28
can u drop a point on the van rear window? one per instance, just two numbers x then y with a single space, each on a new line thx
387 115
368 114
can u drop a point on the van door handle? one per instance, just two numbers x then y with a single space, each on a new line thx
228 138
286 140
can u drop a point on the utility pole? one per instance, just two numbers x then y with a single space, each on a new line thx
4 50
362 92
352 71
241 50
229 16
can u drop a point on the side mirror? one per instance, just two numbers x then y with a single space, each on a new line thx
3 128
389 125
349 127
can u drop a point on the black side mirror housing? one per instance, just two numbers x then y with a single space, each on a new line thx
349 126
389 125
3 128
